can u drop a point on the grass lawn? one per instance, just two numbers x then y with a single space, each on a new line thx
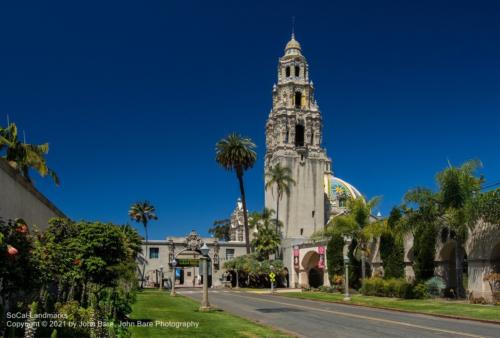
430 306
154 306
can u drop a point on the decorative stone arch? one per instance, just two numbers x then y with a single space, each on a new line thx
483 255
445 260
311 275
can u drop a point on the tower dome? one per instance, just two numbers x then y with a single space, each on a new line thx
293 47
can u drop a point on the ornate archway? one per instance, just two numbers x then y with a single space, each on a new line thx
188 261
312 276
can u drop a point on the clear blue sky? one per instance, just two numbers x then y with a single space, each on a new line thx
133 95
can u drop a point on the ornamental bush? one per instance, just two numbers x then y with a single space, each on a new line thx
393 287
85 270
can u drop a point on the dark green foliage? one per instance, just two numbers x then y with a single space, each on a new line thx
392 254
354 267
485 206
254 272
334 259
393 287
220 229
83 269
424 244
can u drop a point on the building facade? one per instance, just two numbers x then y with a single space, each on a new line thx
158 256
294 133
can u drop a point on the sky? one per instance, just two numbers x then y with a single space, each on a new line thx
133 95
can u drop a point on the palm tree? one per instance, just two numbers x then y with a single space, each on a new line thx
457 188
281 178
23 156
449 208
237 153
357 223
267 238
143 212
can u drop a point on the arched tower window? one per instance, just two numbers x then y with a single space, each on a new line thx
298 99
287 71
297 71
299 135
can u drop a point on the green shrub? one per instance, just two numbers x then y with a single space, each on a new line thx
334 259
394 287
392 254
435 286
423 251
420 291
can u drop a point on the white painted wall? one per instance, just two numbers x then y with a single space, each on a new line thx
19 199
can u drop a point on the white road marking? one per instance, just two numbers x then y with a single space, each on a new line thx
345 314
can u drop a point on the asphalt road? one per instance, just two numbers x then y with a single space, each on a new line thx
320 319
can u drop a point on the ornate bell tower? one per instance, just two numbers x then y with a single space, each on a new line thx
293 139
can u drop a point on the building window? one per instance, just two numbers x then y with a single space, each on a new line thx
297 71
229 254
299 135
154 253
298 99
287 71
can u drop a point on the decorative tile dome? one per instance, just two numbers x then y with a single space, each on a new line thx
341 190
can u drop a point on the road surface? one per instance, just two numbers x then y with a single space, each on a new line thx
321 319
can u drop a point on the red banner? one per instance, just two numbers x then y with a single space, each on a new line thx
296 253
321 262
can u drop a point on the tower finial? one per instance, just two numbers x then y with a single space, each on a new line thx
293 27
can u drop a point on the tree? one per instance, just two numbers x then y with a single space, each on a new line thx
357 223
221 229
279 177
426 212
334 258
267 238
392 248
457 188
236 153
23 156
143 212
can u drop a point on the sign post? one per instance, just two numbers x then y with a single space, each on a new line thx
272 278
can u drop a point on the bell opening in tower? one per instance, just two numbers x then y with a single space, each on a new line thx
297 71
299 135
298 99
287 71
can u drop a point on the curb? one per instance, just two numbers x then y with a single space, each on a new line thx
487 321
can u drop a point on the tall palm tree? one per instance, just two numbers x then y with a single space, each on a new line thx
143 212
281 178
23 156
457 188
237 153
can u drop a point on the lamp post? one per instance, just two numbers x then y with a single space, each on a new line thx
174 264
205 306
161 277
347 241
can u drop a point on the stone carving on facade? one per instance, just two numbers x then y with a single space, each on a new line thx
193 241
237 228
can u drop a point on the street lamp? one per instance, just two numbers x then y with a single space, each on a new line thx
161 277
347 243
174 264
205 306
